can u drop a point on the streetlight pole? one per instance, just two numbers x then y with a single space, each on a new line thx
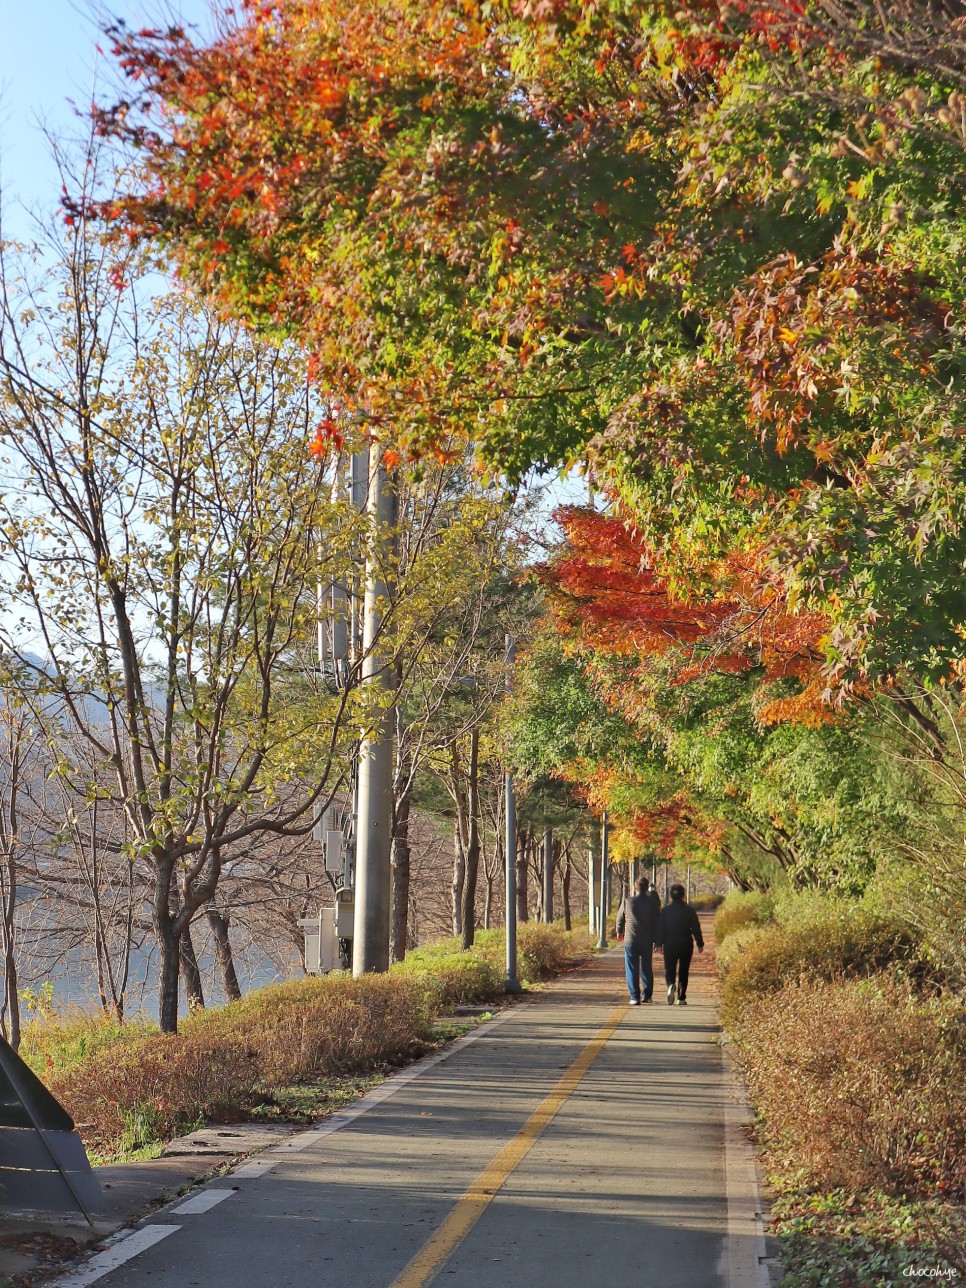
370 947
593 884
511 984
604 882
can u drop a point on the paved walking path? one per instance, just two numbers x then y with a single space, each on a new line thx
573 1140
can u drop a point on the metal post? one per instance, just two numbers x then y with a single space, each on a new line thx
511 984
548 876
688 894
667 871
604 883
370 948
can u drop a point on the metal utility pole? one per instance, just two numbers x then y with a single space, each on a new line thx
512 983
604 884
548 876
688 894
370 948
593 886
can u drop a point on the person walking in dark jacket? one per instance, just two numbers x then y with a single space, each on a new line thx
637 923
678 930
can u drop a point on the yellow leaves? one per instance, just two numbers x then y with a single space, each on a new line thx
859 188
787 335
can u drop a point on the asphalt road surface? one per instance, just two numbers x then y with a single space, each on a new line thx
572 1141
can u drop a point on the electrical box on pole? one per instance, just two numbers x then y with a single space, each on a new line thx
333 844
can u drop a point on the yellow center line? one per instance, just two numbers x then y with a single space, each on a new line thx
487 1185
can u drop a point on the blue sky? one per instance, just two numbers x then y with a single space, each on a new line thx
48 56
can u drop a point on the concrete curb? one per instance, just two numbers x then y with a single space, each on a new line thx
744 1258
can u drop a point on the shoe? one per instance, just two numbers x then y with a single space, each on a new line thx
681 1002
633 1002
670 994
647 1001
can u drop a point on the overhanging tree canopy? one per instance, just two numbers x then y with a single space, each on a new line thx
654 234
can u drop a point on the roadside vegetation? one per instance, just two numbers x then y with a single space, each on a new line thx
291 1051
853 1045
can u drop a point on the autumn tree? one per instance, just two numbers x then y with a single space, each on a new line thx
162 534
622 229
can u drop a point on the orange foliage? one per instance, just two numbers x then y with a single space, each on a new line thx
608 600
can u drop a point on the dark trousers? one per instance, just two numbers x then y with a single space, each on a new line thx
677 963
638 968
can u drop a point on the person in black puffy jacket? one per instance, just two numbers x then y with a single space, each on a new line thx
678 930
636 924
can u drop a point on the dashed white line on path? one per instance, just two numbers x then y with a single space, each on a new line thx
203 1201
256 1168
130 1246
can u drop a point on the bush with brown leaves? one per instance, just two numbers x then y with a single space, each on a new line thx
860 1083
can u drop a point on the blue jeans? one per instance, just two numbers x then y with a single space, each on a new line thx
637 968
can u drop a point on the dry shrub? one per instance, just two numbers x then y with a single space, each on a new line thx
738 943
740 908
860 1083
544 951
707 902
841 940
151 1088
453 978
313 1028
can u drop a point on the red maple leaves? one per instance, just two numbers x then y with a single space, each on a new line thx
609 600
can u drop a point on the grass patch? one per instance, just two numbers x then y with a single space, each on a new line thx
866 1240
61 1039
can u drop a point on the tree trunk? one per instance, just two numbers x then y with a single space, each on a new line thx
401 856
8 889
565 887
523 845
11 995
223 954
473 843
459 877
168 977
190 974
